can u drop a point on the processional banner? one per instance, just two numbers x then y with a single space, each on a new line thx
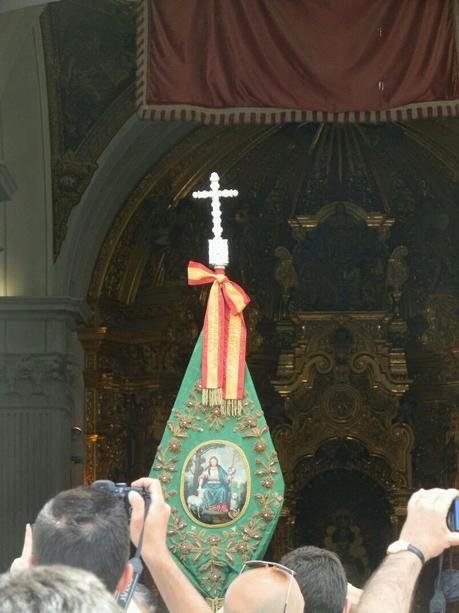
260 61
216 460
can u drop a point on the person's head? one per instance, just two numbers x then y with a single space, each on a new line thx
54 589
264 590
213 461
321 578
85 528
144 599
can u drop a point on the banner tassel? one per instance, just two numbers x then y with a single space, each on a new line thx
232 407
212 397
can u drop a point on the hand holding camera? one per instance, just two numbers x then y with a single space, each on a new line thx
122 491
426 524
157 517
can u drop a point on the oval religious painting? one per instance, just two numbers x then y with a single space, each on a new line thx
215 484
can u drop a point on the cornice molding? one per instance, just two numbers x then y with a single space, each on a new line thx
63 308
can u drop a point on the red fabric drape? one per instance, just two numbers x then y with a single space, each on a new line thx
228 61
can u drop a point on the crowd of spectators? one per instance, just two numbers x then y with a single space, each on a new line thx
76 558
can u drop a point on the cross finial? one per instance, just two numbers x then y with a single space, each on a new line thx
218 246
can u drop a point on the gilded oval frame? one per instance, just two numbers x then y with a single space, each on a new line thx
245 462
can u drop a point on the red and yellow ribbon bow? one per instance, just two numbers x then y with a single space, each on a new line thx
224 337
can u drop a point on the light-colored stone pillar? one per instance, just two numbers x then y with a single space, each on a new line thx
41 400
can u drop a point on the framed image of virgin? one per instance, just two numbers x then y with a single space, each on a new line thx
215 483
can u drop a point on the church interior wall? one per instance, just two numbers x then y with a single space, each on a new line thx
138 328
40 360
42 301
26 257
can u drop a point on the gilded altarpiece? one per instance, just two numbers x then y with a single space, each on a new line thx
345 239
352 329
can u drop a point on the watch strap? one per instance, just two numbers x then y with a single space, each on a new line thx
417 552
399 546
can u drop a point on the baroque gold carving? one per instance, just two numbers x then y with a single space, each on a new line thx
371 219
365 352
340 379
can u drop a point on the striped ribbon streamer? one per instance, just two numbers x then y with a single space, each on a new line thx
224 339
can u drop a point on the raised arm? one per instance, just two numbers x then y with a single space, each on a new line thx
176 590
390 589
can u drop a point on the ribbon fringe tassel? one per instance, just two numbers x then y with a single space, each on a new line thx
214 398
232 408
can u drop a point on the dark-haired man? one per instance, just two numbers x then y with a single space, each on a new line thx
321 578
88 528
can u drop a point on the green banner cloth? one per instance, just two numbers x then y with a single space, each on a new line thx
221 476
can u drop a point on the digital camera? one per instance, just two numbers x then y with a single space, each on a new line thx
453 516
121 490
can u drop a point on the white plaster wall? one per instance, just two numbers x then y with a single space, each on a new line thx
26 259
15 28
40 361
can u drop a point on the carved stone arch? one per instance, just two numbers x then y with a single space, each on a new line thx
339 410
347 454
348 512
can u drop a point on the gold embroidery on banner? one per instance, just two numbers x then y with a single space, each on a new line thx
212 555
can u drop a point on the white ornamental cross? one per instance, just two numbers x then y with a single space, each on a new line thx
218 246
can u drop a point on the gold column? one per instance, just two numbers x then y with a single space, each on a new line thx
91 339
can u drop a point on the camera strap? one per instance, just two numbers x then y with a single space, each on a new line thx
124 598
438 601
